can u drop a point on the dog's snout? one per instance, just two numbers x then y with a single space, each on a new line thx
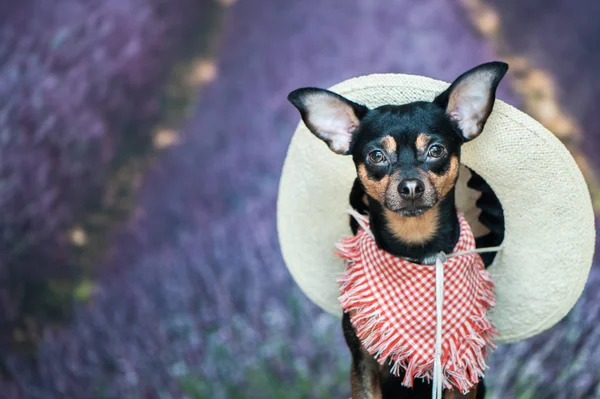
411 189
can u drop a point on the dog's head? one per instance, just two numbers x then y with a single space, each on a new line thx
407 156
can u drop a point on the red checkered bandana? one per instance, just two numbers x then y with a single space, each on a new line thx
392 307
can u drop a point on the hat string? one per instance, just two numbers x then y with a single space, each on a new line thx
440 259
361 220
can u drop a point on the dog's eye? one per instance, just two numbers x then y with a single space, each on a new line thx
436 151
376 156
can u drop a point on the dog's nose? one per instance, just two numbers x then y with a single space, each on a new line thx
411 189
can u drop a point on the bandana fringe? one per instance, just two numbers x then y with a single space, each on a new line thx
463 363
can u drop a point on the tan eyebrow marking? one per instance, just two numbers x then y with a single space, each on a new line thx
389 144
422 142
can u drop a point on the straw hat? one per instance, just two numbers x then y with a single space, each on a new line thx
549 223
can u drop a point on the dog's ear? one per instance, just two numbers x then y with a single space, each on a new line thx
330 117
470 98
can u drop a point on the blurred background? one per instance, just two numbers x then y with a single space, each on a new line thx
141 143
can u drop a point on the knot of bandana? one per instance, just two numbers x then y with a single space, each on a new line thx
392 306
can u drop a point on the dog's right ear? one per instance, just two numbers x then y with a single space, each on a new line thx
330 117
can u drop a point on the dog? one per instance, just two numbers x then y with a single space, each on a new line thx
407 160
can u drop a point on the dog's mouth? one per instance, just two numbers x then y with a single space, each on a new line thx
411 207
411 211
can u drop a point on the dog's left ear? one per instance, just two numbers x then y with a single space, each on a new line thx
329 116
470 98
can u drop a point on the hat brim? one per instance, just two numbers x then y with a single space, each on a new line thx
549 222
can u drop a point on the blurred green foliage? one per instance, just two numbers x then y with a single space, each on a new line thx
280 366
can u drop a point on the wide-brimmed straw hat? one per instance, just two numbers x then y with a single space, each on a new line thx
549 231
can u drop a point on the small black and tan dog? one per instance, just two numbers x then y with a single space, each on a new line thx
407 159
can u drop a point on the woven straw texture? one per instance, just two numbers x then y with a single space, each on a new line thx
549 222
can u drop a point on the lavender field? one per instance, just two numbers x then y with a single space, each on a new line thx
141 143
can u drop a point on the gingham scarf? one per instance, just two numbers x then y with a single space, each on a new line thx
392 307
